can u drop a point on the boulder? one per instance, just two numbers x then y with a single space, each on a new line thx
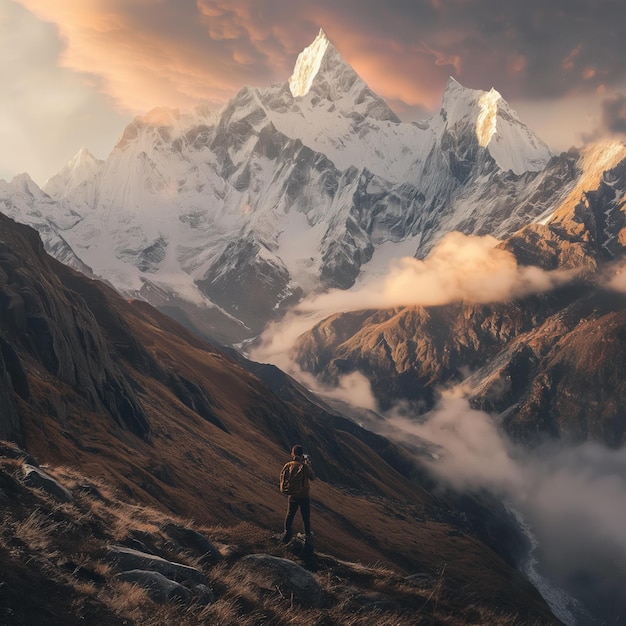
202 594
127 559
271 573
192 540
160 588
37 478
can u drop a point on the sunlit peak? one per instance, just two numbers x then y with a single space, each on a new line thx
488 117
308 65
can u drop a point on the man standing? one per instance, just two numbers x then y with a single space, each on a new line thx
295 480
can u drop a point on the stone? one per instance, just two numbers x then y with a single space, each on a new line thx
37 478
193 541
127 559
160 588
272 573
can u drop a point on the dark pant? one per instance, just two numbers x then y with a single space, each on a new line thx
304 504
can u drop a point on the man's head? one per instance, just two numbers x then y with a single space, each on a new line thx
297 451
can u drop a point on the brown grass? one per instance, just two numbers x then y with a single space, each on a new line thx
65 544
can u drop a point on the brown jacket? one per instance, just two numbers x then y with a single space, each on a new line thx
307 476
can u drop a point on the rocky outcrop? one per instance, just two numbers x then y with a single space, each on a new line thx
43 321
263 572
37 478
164 580
406 353
192 540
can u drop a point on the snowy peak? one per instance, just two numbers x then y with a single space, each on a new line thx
494 126
487 121
322 73
322 80
308 65
81 169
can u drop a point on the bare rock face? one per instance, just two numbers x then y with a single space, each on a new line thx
408 351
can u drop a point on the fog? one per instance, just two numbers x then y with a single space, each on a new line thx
572 499
617 282
460 267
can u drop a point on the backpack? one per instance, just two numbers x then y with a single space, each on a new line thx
292 479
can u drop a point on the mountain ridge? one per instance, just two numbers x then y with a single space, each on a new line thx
300 191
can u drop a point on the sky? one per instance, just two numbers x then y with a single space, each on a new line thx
73 74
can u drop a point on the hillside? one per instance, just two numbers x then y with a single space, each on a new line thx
95 385
89 554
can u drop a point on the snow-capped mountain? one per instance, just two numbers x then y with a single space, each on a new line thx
23 200
305 184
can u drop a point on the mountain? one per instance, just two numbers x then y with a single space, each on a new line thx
225 219
545 369
549 365
105 391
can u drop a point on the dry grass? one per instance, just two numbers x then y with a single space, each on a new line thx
67 546
37 531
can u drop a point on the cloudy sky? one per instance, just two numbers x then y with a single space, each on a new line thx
73 74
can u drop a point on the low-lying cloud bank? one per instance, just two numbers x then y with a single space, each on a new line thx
460 267
572 498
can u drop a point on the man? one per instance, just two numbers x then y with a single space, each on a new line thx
295 478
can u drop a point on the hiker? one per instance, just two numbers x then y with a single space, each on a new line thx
295 480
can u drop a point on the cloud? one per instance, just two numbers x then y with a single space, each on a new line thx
46 113
572 499
612 119
617 282
472 453
614 114
174 53
460 267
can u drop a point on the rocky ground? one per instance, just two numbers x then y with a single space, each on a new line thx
74 551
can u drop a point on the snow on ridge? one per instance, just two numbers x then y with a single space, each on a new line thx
497 127
486 122
308 65
185 196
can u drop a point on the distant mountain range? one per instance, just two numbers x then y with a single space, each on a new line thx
225 219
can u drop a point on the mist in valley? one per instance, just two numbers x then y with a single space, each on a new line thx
570 500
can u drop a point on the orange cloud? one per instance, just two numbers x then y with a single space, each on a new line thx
179 55
518 64
170 57
147 53
569 60
460 267
589 72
